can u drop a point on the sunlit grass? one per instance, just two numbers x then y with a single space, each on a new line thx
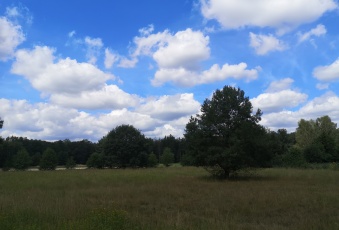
169 198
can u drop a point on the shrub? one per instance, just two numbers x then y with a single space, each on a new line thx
49 160
70 163
22 160
294 158
152 160
167 157
96 160
187 160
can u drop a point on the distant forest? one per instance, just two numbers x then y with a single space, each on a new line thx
314 141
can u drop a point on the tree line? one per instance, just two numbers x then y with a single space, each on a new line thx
224 137
124 146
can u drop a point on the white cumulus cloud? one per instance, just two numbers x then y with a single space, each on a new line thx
279 97
184 49
280 14
327 73
317 31
109 97
184 77
110 58
263 44
94 46
11 36
50 75
179 58
170 107
272 102
280 85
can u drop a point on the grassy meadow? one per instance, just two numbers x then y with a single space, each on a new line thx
169 198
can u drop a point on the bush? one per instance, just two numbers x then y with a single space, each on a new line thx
70 163
294 158
315 153
96 160
152 160
22 160
187 160
333 166
49 160
167 157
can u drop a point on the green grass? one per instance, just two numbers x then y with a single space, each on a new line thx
169 198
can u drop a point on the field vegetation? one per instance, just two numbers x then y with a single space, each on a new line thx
169 198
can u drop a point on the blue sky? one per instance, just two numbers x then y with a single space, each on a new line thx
76 69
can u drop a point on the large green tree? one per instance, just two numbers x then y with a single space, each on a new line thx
226 136
124 146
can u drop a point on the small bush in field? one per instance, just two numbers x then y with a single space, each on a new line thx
49 160
167 157
22 160
70 163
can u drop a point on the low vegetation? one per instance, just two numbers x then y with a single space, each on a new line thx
169 198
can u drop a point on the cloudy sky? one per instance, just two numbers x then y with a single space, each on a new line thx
78 68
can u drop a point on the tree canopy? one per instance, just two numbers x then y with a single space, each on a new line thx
226 136
49 160
124 146
317 139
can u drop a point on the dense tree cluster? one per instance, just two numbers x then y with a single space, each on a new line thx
318 140
124 146
223 138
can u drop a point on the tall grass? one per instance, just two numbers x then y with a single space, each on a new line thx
169 198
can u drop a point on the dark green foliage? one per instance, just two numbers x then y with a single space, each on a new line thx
62 157
318 140
70 163
315 152
49 160
294 158
22 160
167 158
152 160
1 123
143 159
96 160
124 146
8 149
81 150
36 159
177 146
187 160
225 136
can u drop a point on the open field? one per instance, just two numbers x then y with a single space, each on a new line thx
169 198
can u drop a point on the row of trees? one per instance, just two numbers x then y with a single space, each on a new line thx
126 141
224 137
